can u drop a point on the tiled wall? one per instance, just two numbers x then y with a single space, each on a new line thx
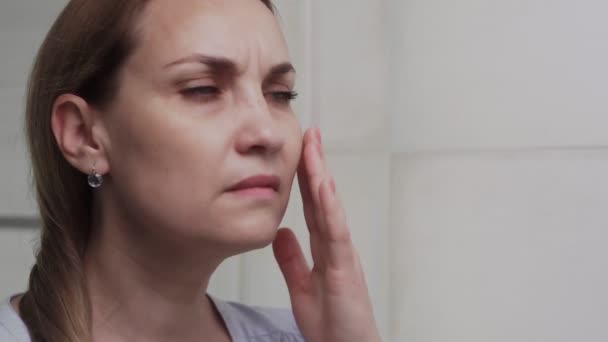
468 144
498 174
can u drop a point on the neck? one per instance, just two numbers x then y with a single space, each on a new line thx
149 289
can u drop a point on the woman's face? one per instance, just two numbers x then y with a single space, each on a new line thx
203 104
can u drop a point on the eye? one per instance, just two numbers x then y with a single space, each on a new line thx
284 97
201 94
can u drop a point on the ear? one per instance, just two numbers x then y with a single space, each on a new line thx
79 133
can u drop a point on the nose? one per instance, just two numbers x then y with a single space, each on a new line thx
259 131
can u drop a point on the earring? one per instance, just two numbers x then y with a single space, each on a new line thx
95 179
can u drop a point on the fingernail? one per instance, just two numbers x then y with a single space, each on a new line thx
318 134
332 185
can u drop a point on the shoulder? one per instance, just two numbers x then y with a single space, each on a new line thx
258 324
12 329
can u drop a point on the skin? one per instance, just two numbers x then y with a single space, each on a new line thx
169 149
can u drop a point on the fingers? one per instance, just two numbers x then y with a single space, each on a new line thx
339 251
316 171
307 199
305 188
328 216
292 263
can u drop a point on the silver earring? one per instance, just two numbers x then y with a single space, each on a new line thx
95 179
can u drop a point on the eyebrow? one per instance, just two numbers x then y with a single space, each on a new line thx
227 66
281 69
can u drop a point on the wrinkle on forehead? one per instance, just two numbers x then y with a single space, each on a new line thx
245 31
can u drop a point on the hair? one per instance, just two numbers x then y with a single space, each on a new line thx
82 54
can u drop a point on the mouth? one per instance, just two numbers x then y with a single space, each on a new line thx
259 186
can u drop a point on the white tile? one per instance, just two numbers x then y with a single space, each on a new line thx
498 73
15 193
362 181
16 259
500 246
352 74
24 14
19 47
292 16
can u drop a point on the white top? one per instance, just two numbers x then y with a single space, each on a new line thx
244 323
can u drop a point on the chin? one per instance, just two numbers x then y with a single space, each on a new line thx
248 233
256 235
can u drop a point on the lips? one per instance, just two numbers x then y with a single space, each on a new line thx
258 181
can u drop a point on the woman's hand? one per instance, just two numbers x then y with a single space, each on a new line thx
330 302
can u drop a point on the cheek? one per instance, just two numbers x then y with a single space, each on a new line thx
293 150
164 170
294 146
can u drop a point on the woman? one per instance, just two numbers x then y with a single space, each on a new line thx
163 142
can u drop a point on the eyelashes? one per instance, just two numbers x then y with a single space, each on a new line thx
210 93
201 94
284 96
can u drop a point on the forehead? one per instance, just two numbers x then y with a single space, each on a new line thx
235 29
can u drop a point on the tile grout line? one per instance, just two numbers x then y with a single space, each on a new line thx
10 222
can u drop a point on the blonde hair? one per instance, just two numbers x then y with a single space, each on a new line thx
82 54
